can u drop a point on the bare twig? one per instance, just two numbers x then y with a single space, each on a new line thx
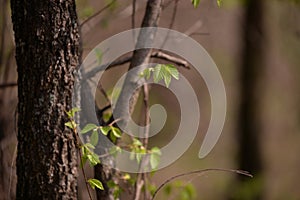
98 13
133 14
5 85
159 54
167 4
199 172
103 67
78 144
141 177
2 40
171 23
176 60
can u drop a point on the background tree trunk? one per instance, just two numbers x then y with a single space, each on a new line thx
47 55
249 127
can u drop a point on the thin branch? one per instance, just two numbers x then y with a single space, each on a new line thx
147 115
78 144
103 67
5 85
115 121
159 54
199 172
176 60
141 177
98 13
84 175
133 14
171 23
167 4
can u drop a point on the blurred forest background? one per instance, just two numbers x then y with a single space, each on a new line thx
256 46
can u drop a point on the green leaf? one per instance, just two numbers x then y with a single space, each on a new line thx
72 112
106 116
88 128
167 80
146 73
126 176
137 142
165 72
93 158
154 160
151 188
110 184
158 73
94 137
195 3
219 2
117 192
71 124
89 146
116 132
99 55
105 129
155 157
173 71
113 138
95 183
156 150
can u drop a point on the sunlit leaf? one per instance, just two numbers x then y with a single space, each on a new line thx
195 3
71 113
71 124
95 183
93 158
154 160
116 132
158 73
173 71
137 142
155 157
105 129
89 146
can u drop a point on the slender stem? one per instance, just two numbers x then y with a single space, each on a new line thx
133 14
78 144
199 172
98 13
84 175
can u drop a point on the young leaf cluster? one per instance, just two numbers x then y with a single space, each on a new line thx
161 72
86 149
138 151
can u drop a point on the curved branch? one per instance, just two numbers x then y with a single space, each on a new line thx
245 173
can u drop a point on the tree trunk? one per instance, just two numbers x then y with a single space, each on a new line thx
140 57
47 55
249 127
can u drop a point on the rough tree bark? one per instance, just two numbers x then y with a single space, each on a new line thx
47 55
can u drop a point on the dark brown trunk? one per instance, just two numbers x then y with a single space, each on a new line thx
47 55
249 127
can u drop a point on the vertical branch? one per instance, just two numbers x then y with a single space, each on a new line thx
141 177
140 57
3 30
133 14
